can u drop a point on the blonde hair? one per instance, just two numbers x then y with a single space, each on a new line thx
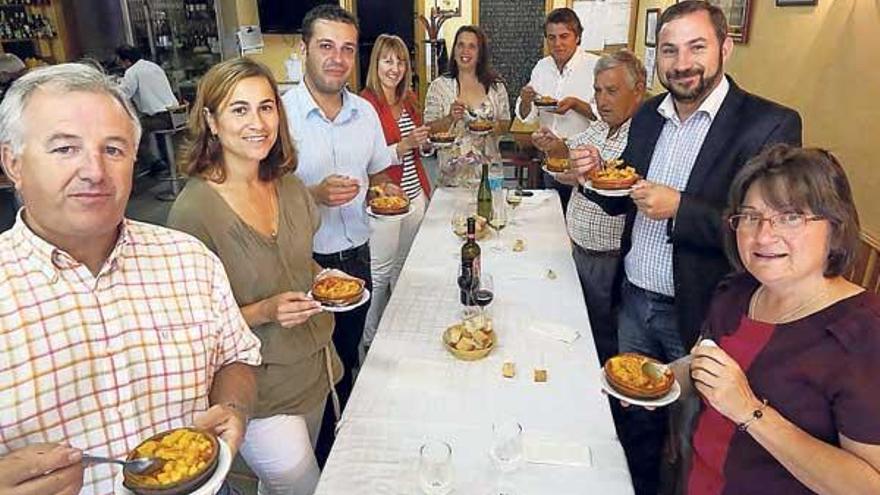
389 43
201 152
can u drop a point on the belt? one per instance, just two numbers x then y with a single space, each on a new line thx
614 253
656 296
341 256
611 253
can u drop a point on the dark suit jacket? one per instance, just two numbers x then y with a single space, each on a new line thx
745 124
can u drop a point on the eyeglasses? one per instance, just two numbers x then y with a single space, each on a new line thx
781 222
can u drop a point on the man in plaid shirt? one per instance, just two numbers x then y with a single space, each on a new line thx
110 330
619 86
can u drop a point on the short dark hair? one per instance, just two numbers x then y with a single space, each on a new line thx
801 179
326 12
687 7
128 52
564 15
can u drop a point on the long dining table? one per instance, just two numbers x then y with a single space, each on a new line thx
410 389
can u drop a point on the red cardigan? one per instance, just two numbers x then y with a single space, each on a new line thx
392 134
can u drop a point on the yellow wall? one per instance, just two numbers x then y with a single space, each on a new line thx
823 61
277 47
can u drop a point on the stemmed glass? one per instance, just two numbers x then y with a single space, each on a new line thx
498 222
435 468
514 199
484 295
506 451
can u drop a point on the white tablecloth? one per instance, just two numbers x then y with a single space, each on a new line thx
411 389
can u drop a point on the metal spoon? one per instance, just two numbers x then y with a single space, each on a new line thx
141 465
654 370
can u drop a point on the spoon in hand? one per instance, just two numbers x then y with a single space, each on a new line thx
141 465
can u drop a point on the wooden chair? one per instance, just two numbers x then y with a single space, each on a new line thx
866 269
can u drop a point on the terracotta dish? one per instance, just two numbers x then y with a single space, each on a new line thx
389 205
546 101
190 458
628 374
480 125
334 290
615 175
442 138
557 165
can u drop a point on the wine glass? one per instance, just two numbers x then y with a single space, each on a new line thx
506 452
514 199
435 468
484 295
459 221
498 222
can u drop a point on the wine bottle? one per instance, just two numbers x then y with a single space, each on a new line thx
469 278
484 195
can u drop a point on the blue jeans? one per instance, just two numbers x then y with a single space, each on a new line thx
647 324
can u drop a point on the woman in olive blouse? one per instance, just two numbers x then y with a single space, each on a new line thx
243 203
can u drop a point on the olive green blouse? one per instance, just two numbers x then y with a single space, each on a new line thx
293 378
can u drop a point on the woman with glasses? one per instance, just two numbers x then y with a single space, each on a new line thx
788 379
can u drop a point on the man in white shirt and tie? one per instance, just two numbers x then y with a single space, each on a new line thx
147 86
566 75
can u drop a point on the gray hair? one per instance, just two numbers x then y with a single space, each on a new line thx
634 68
63 77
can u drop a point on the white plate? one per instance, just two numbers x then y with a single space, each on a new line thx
389 217
342 309
546 108
552 173
441 145
212 486
667 399
611 193
479 133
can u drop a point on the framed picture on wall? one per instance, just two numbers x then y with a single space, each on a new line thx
737 12
651 16
786 3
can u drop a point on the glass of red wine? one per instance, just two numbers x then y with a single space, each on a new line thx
483 295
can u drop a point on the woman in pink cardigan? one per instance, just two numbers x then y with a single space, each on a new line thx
388 91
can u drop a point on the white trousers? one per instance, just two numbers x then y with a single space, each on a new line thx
389 245
280 450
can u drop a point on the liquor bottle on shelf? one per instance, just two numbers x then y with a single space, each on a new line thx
469 278
484 194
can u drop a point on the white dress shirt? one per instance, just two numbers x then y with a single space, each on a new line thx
353 145
575 79
146 84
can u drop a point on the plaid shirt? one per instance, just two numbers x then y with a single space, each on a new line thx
102 362
649 262
588 225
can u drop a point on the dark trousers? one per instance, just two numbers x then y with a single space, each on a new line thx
347 336
596 271
647 324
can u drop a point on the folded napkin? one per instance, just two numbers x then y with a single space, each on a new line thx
555 331
561 453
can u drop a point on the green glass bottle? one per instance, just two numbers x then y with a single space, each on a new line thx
484 195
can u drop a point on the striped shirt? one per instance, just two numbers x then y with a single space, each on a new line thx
649 262
410 181
103 362
588 225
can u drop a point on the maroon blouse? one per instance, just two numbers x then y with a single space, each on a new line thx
821 372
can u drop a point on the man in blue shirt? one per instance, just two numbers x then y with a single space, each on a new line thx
342 152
